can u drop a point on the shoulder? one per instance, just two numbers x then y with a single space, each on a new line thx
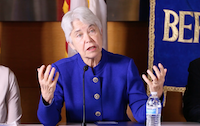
194 65
120 61
4 74
66 63
195 62
69 60
5 71
118 57
7 76
4 68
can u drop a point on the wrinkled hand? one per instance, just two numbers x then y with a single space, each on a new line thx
156 85
47 83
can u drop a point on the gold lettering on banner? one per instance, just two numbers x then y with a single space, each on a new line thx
167 25
179 33
182 26
197 27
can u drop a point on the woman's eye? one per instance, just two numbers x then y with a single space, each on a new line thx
78 35
92 30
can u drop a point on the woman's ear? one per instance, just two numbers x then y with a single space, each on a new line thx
101 31
71 45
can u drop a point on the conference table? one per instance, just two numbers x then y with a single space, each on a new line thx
122 124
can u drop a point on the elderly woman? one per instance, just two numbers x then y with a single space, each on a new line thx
10 103
111 81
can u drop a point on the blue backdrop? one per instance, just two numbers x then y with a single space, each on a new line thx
176 44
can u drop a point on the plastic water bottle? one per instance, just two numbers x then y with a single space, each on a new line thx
153 110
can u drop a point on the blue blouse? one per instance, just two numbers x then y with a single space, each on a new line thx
109 87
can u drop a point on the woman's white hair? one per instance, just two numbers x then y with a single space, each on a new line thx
83 14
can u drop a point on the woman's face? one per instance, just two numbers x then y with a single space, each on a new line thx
86 40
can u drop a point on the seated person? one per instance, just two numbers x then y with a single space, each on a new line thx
191 98
10 103
111 82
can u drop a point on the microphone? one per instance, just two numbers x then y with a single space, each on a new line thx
85 68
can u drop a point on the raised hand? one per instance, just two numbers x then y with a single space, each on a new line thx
47 83
157 82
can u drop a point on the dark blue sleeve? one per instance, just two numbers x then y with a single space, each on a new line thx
48 114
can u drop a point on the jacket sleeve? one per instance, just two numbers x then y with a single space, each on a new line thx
137 93
191 98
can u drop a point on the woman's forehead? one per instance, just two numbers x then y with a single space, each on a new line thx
78 25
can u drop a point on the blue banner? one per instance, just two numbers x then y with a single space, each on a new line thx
174 37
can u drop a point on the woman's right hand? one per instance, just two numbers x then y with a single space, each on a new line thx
47 83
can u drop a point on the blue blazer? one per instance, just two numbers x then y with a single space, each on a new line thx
109 87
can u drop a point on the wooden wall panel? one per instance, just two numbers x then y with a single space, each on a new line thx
28 45
29 100
129 39
25 47
172 112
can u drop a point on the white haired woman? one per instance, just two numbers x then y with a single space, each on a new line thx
111 81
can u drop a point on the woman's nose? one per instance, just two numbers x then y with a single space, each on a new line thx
88 38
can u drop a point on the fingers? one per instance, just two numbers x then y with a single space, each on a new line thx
153 77
55 79
157 82
146 79
158 77
40 72
47 75
50 79
157 71
47 82
163 70
50 76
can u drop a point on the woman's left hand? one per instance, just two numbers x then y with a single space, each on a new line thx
156 85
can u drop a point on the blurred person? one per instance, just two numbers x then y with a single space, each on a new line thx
191 98
111 82
10 102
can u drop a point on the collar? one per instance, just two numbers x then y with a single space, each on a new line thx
97 69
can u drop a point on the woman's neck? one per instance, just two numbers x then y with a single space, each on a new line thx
92 62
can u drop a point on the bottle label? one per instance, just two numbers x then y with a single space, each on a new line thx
153 111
